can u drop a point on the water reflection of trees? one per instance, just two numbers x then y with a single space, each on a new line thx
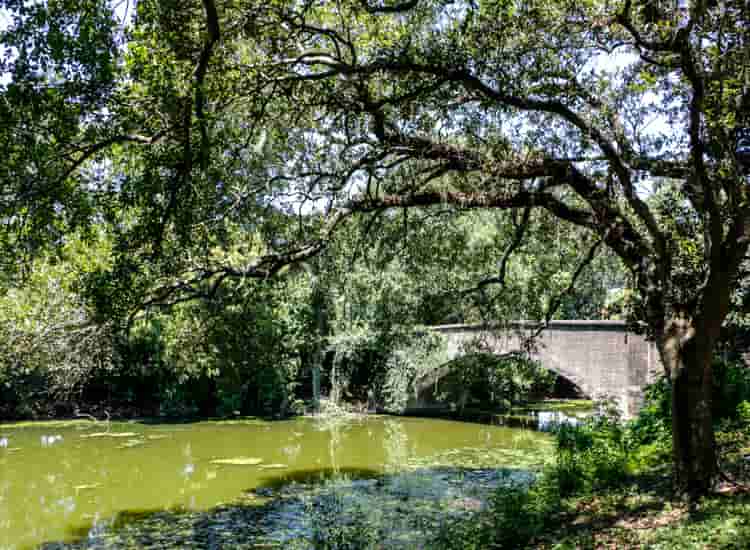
395 445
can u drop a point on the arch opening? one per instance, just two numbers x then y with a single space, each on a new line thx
481 381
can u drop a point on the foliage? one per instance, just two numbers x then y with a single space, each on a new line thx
408 364
590 456
59 65
245 346
374 297
332 529
50 345
515 516
509 381
743 412
653 422
593 473
731 388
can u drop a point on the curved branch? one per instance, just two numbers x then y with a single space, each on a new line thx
92 150
395 8
205 283
500 200
557 302
661 168
555 107
514 244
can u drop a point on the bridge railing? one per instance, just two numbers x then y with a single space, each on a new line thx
602 324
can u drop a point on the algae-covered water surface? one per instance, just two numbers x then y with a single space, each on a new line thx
74 481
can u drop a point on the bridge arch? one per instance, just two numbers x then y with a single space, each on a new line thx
602 358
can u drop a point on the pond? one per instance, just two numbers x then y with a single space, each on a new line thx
76 481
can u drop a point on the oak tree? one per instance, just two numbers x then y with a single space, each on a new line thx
284 119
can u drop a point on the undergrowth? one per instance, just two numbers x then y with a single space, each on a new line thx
609 486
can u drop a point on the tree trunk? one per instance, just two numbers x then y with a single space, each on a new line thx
316 383
688 358
336 382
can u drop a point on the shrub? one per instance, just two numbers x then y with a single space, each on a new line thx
515 516
743 412
731 388
590 456
413 359
653 422
338 524
50 345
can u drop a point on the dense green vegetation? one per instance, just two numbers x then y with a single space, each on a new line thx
610 485
212 207
249 347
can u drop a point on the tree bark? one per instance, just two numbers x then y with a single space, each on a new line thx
694 446
687 356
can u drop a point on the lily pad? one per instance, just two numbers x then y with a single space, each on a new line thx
130 443
87 487
155 437
238 461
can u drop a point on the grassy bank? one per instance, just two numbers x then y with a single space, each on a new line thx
609 486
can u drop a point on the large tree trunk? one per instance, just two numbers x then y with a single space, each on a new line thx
687 355
694 446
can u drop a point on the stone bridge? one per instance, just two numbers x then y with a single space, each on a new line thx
602 358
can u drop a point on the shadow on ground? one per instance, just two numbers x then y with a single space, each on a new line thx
648 520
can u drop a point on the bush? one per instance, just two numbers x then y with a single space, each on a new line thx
338 524
731 388
590 456
743 412
654 420
50 346
516 515
413 359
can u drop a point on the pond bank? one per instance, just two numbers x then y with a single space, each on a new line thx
524 416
